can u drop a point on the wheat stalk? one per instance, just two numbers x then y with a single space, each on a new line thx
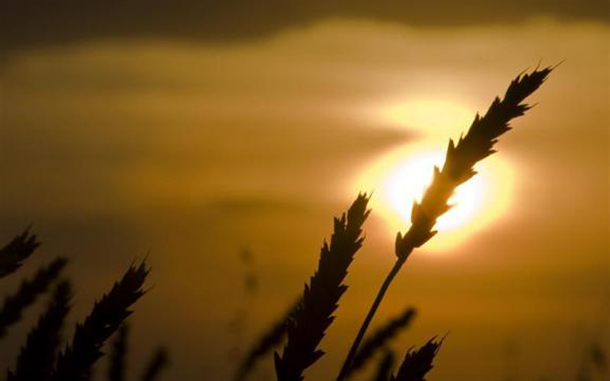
16 251
158 363
266 343
417 363
313 316
384 368
75 363
13 306
36 359
116 369
460 160
380 339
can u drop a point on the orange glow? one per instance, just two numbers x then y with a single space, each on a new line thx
401 176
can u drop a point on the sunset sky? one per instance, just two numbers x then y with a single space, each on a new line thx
192 132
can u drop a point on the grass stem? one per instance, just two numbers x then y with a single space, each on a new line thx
369 317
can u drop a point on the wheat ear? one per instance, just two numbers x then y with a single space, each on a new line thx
417 363
321 296
460 159
37 357
16 251
75 363
26 295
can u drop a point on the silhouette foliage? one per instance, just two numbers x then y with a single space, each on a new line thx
305 323
417 363
268 341
37 358
28 292
116 370
16 251
462 156
75 363
158 363
314 315
380 338
458 168
384 368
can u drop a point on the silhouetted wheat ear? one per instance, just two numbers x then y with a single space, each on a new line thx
75 363
28 292
418 363
379 339
37 357
458 168
158 363
461 158
598 358
384 368
16 251
118 356
270 339
314 315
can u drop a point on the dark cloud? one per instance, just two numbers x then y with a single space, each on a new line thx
24 24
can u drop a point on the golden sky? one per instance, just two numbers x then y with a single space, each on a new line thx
196 149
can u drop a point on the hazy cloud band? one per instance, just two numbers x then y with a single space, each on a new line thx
25 24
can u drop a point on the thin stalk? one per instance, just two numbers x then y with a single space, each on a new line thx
460 159
369 317
309 322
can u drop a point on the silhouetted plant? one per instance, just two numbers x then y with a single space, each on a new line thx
28 292
417 363
251 278
321 295
459 164
384 368
75 362
116 369
314 315
380 338
268 341
594 364
37 358
158 363
16 251
238 323
305 324
598 357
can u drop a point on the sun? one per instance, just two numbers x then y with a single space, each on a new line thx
400 177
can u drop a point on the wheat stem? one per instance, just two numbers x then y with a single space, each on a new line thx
321 296
384 368
369 317
379 339
460 159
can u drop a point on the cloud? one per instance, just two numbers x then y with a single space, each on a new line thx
43 23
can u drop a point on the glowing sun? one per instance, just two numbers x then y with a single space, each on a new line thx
401 176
